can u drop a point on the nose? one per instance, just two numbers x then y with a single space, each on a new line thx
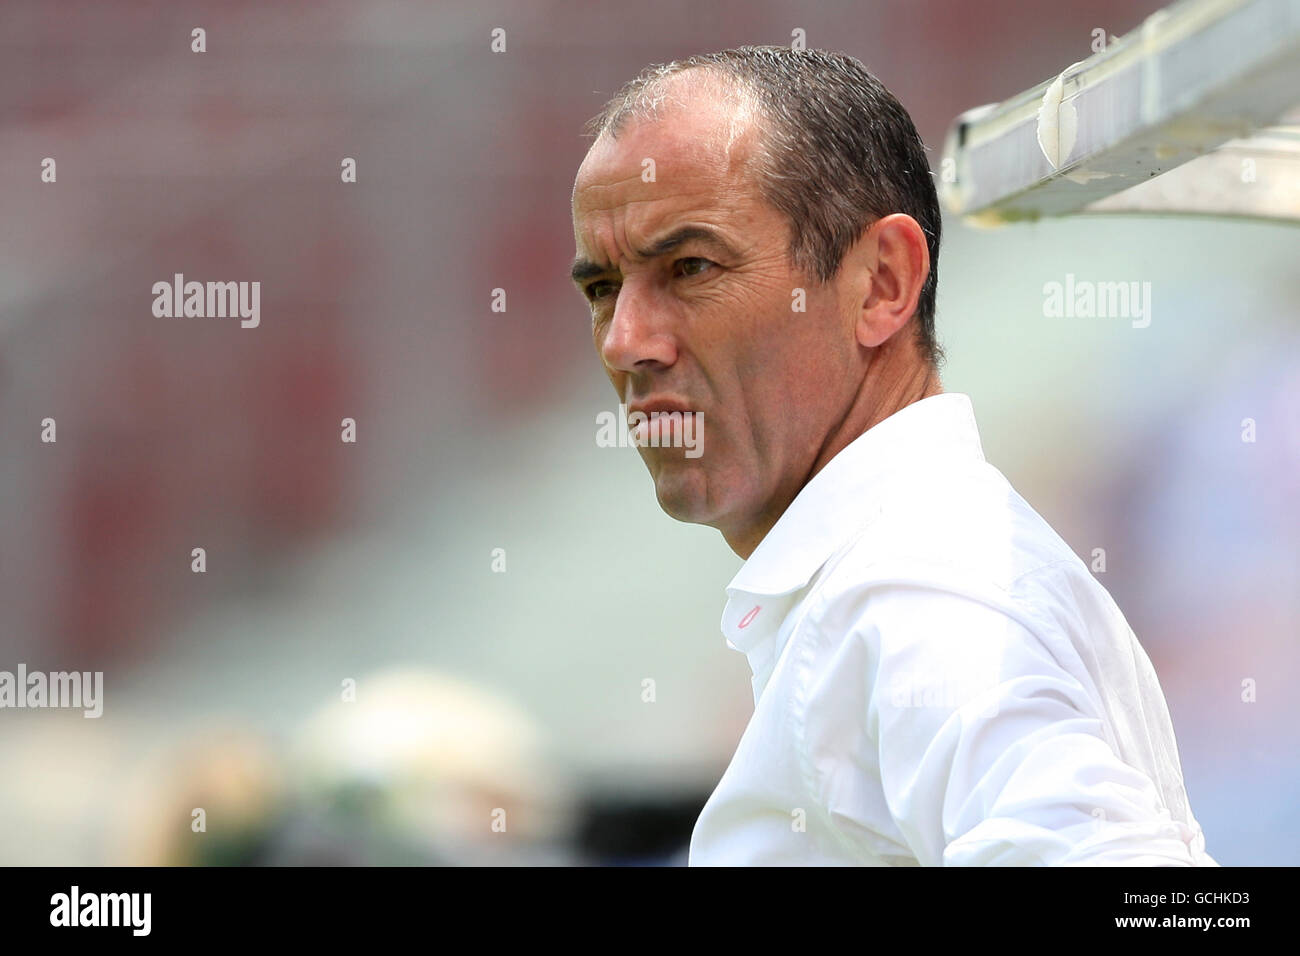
638 334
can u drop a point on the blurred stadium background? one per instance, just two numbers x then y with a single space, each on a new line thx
372 562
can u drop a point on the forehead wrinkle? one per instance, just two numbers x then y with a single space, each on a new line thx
640 239
670 97
720 170
615 225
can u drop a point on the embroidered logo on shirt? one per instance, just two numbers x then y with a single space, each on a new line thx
745 621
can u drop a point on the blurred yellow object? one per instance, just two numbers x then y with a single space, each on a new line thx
454 765
232 777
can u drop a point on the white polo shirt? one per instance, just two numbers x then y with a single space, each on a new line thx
938 679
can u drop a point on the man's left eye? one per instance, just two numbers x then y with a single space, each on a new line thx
690 266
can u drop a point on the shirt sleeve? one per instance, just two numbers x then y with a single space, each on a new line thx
992 747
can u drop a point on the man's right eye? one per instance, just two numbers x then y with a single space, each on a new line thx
598 290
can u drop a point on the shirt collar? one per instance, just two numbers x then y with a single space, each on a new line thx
844 496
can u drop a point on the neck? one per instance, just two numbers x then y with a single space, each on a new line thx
891 384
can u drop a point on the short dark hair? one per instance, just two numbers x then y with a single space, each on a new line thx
838 152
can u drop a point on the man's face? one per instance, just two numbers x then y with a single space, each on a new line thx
693 308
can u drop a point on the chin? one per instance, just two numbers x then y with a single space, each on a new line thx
682 490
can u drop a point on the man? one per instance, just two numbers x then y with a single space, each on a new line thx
938 679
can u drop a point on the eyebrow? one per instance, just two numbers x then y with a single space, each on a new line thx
586 269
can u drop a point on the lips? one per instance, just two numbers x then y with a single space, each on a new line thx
664 422
652 406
